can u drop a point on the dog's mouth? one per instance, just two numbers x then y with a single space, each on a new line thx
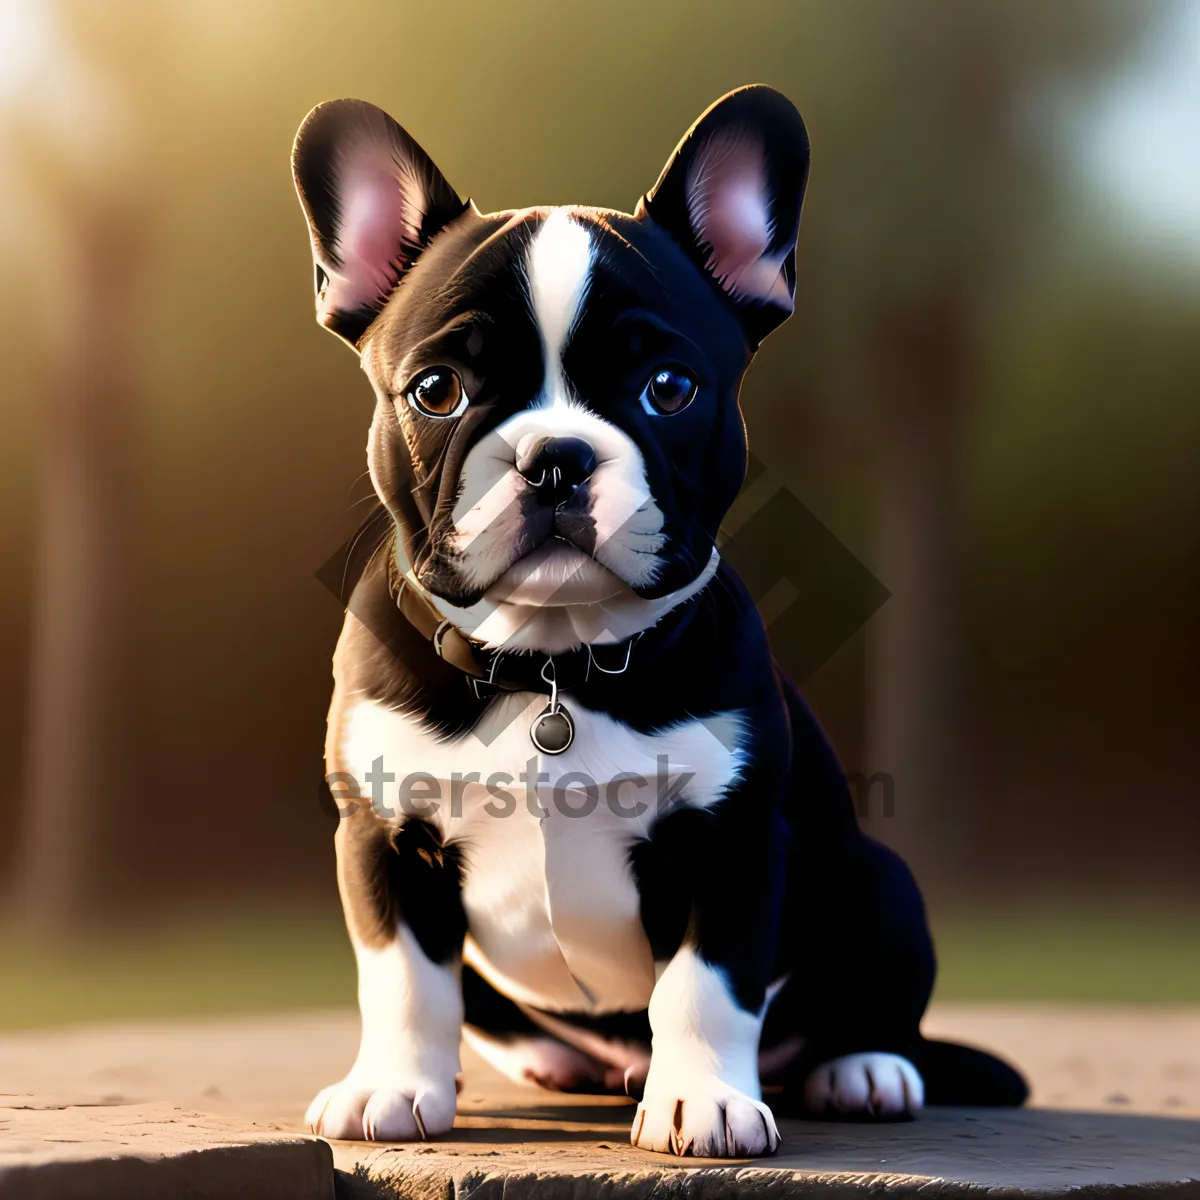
546 519
553 574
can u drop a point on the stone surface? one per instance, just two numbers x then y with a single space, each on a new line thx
1121 1089
55 1148
1113 1059
585 1153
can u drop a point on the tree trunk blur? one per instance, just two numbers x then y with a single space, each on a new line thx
83 696
915 727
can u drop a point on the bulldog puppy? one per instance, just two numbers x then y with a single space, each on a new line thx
585 819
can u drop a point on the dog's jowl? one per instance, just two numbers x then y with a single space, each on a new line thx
586 821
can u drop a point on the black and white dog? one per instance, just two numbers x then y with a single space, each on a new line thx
586 821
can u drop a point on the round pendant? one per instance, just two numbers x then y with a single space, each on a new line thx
553 731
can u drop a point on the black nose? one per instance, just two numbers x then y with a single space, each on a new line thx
556 466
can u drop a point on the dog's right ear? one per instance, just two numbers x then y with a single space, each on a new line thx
373 199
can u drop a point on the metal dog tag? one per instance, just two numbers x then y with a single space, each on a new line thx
553 731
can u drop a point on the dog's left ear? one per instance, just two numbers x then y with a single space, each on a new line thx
731 194
373 199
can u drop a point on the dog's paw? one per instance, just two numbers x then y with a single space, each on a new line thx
385 1110
874 1085
704 1117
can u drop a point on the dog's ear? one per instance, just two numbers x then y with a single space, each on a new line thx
373 199
731 194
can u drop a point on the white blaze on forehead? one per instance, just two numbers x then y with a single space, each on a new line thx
560 262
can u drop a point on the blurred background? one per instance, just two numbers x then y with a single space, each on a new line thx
988 395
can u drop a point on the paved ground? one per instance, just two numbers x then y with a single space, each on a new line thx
59 1149
179 1110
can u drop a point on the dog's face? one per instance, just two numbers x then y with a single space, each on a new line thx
557 416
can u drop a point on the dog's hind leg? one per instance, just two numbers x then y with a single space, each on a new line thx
859 965
860 969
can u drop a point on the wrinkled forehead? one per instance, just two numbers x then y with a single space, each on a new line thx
540 278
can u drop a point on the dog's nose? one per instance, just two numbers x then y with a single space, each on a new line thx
556 466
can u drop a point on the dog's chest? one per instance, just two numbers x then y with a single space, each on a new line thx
551 903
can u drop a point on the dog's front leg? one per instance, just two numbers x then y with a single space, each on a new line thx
400 892
702 1094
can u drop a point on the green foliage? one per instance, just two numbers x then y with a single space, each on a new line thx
250 961
270 960
1094 953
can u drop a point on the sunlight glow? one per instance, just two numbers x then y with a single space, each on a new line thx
26 45
1144 148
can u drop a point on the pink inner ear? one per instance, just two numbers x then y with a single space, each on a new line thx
381 205
729 210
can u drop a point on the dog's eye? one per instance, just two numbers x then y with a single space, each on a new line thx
437 392
670 390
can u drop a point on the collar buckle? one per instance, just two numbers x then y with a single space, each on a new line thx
439 635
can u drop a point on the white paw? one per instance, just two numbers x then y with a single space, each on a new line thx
389 1110
876 1083
705 1117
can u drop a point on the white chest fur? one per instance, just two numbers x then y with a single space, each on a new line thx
552 908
